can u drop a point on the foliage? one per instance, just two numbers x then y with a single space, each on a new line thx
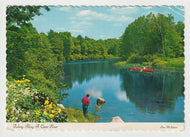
26 104
20 15
135 58
157 62
169 63
149 35
154 41
32 54
123 64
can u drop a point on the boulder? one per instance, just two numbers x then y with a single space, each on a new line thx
61 106
117 119
75 121
100 101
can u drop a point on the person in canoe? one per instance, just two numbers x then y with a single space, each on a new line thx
85 104
135 66
144 67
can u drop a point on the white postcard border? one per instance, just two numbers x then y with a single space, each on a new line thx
3 125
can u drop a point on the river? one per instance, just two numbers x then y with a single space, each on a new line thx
134 96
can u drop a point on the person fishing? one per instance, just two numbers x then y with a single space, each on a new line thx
85 104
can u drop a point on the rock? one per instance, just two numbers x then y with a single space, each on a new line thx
100 101
61 106
117 119
97 117
75 121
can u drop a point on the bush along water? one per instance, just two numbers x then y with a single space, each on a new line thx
26 104
152 61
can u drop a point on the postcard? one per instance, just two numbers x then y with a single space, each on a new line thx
95 68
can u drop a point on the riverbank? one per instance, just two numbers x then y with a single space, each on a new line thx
75 115
167 63
26 104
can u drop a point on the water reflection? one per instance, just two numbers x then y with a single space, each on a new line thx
134 96
94 93
122 96
84 71
153 92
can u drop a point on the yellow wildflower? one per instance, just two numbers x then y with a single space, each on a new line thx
7 110
24 75
59 110
27 80
12 112
50 106
51 115
23 78
45 112
53 111
28 87
46 102
37 112
18 85
27 115
54 105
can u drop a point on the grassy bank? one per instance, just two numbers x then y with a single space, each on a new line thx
26 104
75 115
160 63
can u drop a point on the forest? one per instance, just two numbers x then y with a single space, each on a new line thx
154 40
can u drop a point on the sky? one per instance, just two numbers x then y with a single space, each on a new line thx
97 22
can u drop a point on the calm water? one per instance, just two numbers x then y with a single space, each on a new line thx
134 96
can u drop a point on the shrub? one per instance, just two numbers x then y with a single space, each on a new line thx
159 63
169 62
147 64
135 58
148 58
176 62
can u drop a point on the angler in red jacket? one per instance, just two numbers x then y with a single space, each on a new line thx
85 104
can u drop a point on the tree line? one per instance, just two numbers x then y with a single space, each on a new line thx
152 36
78 48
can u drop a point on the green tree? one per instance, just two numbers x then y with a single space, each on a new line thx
21 15
68 44
18 42
57 45
84 48
152 35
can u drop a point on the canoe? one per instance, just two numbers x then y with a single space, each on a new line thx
145 70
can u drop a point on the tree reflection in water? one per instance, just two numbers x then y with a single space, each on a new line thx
154 92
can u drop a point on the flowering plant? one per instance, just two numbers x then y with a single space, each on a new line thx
26 104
